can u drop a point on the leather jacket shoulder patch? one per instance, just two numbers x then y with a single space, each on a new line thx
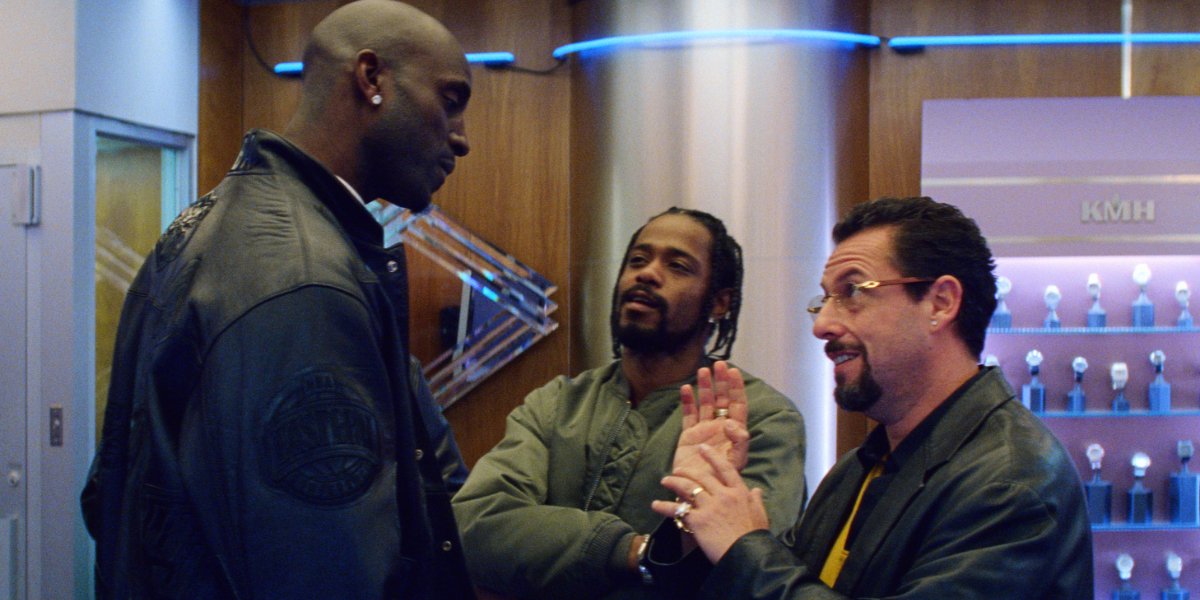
321 442
176 236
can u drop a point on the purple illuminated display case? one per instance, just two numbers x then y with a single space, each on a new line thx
1064 188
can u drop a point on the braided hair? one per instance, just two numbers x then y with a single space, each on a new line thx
725 272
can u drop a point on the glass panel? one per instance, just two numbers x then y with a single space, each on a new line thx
488 307
134 182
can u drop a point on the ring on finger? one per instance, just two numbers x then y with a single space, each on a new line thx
695 492
722 412
682 526
681 510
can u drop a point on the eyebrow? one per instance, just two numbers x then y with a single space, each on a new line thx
670 251
844 275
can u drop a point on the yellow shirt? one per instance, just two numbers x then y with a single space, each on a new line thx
837 554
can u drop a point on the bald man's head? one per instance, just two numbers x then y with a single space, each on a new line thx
383 93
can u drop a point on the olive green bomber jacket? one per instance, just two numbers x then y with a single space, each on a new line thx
552 509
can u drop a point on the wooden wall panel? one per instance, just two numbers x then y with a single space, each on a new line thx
511 189
901 82
220 118
1172 69
279 32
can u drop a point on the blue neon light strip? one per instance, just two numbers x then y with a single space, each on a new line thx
491 59
289 68
1043 38
682 37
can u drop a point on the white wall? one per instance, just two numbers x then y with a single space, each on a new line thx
131 60
67 68
139 61
37 55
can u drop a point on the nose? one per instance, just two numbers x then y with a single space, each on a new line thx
458 137
827 326
649 274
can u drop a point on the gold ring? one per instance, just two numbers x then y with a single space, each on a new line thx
722 412
696 491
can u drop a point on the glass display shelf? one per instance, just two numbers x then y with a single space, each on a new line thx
1108 414
1089 330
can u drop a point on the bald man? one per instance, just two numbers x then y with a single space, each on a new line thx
261 438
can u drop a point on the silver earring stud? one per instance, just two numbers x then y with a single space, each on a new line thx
376 99
933 322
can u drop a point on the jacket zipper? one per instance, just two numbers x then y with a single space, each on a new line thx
612 437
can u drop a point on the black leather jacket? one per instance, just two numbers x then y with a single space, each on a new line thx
987 504
261 437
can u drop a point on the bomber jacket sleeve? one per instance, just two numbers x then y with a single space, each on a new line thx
565 552
290 452
972 550
776 459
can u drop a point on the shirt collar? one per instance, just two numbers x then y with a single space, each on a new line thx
876 447
350 188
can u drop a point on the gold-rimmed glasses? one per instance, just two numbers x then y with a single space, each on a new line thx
851 293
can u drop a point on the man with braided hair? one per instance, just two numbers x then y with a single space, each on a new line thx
560 507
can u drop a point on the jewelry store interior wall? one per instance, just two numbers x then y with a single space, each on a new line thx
515 188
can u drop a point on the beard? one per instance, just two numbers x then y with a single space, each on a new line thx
657 339
860 395
406 184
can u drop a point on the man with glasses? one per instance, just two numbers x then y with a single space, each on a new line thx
960 492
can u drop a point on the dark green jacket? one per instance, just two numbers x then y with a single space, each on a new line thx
551 511
988 506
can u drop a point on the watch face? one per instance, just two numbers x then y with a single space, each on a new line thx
1080 364
1140 460
1125 565
1003 285
1141 274
1052 295
1120 375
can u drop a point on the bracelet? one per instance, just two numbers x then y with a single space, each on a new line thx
643 568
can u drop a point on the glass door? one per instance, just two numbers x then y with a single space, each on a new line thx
139 189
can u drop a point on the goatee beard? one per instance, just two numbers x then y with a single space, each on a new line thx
861 395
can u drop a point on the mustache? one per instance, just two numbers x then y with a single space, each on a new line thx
833 346
647 295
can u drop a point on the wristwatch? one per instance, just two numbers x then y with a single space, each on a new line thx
642 566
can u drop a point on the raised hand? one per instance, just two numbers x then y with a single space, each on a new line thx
714 413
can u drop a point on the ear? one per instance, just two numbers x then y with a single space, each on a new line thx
367 69
722 303
945 297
